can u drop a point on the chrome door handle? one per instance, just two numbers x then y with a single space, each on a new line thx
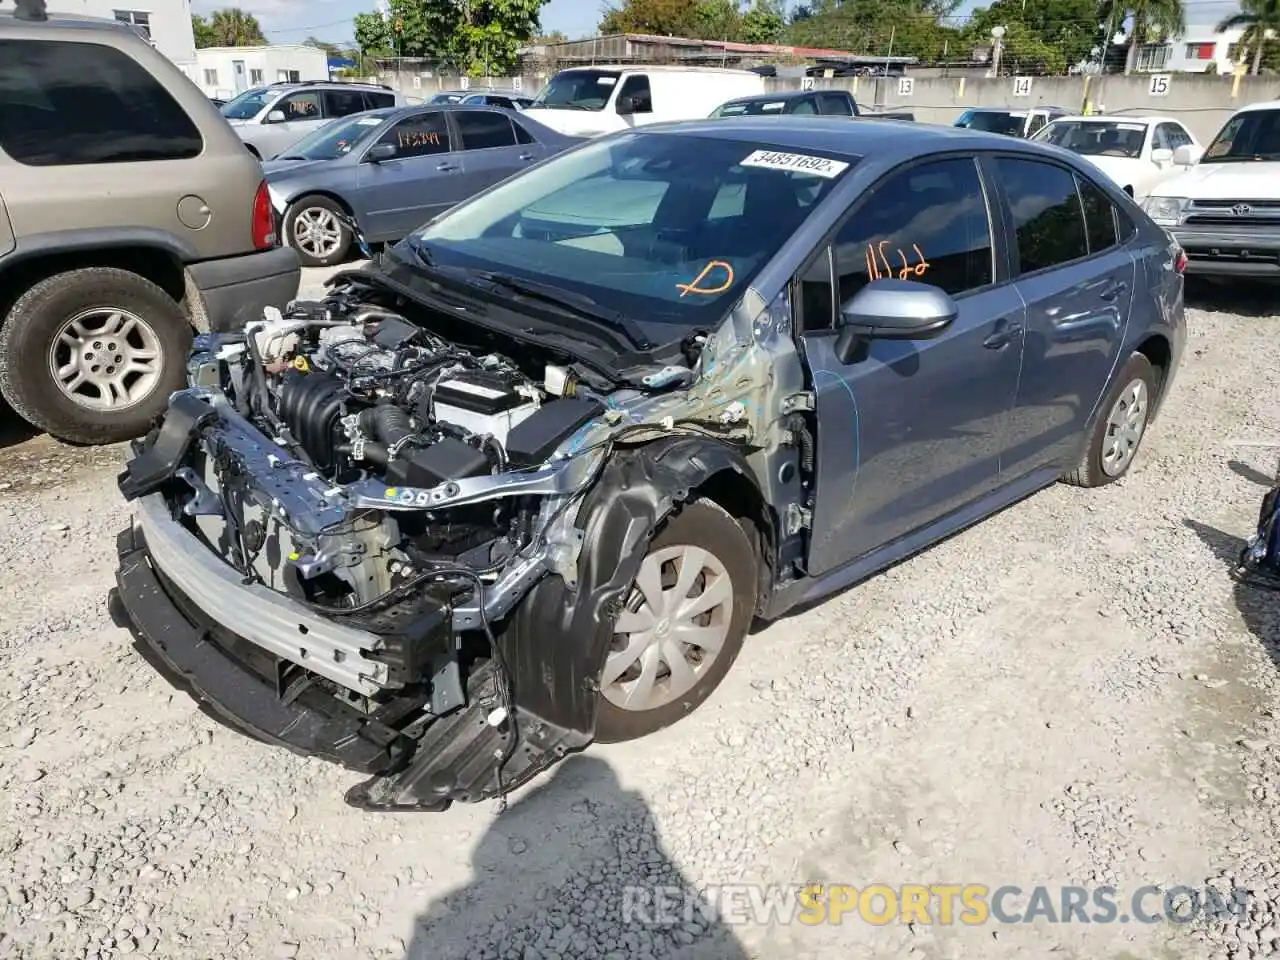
1005 335
1114 290
446 166
526 156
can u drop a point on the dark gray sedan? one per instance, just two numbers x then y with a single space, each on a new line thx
393 170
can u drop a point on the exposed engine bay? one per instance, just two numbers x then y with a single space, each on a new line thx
353 504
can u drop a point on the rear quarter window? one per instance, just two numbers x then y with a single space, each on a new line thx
68 103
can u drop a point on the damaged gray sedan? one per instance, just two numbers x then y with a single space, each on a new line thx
527 481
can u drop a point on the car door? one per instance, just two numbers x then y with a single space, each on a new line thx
302 112
422 179
490 147
1077 279
913 431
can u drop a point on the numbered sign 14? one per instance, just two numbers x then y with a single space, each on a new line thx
1022 86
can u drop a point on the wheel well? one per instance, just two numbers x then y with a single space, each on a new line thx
1156 349
328 196
157 265
741 498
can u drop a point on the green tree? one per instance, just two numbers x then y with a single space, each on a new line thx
763 22
235 28
203 32
912 28
663 18
476 37
331 49
373 35
1258 18
1070 27
1150 21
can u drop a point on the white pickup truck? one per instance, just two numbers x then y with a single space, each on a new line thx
1225 209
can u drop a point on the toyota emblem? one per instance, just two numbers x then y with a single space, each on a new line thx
1242 209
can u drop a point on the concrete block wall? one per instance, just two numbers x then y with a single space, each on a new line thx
1202 102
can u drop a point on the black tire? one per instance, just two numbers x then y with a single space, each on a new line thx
707 525
29 332
1090 471
311 202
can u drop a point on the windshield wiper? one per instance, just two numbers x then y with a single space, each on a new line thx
568 301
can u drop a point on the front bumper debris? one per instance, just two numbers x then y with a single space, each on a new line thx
414 760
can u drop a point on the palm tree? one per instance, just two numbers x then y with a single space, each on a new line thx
1260 19
235 28
1148 19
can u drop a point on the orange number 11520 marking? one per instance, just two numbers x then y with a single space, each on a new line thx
876 256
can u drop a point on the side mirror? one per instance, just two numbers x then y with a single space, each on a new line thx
380 151
275 116
1187 155
891 310
626 105
1161 155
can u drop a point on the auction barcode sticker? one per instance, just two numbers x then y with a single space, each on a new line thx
797 162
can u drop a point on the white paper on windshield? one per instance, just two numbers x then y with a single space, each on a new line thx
606 81
1131 126
796 163
369 121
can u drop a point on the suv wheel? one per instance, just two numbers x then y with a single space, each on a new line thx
92 355
683 625
313 226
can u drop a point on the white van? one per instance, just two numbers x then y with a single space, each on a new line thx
590 101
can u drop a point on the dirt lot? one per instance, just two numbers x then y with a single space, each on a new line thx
1073 692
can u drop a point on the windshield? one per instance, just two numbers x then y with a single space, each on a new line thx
1252 135
661 229
578 90
336 139
1096 138
248 105
1009 124
749 107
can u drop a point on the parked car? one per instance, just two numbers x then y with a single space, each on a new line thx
1135 152
129 215
540 469
273 118
1011 123
392 170
825 103
1224 209
485 97
217 102
589 101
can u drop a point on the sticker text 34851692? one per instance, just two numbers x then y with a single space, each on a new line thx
796 163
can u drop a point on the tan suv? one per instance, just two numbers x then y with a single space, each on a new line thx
131 215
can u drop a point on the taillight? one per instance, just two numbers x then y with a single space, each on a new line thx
264 223
1180 262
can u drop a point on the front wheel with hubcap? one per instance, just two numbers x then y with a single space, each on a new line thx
314 227
92 355
1120 427
682 625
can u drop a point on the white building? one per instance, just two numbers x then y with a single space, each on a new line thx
224 72
1201 49
166 23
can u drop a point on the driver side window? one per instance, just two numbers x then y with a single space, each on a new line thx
299 106
419 136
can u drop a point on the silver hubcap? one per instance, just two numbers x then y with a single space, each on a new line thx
1127 420
671 629
106 359
316 231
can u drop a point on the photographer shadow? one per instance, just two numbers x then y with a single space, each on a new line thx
573 869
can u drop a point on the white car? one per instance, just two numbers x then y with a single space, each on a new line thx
1135 152
1224 208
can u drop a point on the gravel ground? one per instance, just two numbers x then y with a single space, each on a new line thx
1073 692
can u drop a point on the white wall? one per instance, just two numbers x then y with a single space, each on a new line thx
170 22
215 70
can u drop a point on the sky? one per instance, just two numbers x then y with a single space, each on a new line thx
292 21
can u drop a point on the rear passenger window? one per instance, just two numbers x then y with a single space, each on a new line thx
834 103
343 103
419 136
1099 217
480 129
1046 213
522 135
377 101
805 106
928 223
66 103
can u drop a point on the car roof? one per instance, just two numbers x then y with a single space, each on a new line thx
67 21
1262 105
1147 119
851 140
781 95
658 68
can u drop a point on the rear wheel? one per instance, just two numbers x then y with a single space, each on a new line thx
313 226
92 355
682 626
1113 443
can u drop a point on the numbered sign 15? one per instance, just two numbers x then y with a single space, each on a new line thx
1159 85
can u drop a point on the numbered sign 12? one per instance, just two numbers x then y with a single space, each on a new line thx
806 83
464 83
517 84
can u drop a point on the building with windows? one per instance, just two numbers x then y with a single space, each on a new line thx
225 72
1201 49
165 23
